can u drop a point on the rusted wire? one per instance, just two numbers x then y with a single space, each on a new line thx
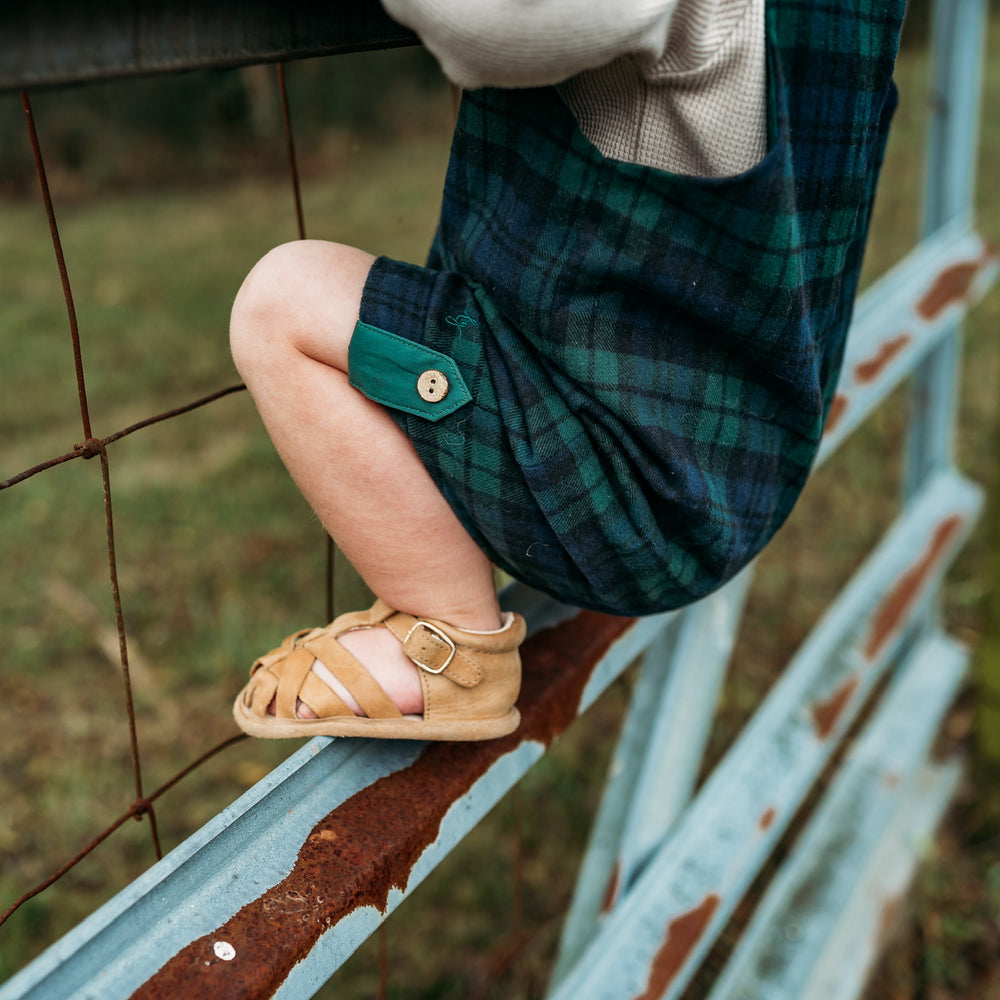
72 863
90 448
331 566
123 646
169 414
77 452
293 171
383 962
74 330
507 954
517 875
293 165
518 939
138 808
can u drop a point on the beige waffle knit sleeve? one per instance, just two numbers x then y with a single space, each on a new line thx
675 84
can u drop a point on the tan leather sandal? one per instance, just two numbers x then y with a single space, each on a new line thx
470 682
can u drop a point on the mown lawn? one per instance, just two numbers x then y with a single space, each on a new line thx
219 557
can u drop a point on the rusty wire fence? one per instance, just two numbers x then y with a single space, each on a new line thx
893 621
91 447
515 938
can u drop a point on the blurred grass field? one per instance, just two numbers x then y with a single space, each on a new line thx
219 556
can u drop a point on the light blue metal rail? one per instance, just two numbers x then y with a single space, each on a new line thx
665 870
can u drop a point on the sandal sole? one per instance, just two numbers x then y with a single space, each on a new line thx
406 728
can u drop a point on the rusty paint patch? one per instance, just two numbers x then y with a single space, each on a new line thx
826 713
952 285
837 410
369 844
767 818
869 370
683 934
611 889
892 611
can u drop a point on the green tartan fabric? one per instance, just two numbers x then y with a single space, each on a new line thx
650 356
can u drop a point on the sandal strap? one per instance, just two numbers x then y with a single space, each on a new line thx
319 696
274 684
285 676
294 669
429 643
433 650
354 675
280 652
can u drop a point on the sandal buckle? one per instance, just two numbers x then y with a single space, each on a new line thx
444 637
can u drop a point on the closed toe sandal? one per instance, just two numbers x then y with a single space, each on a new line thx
470 682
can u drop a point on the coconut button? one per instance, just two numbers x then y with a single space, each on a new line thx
432 386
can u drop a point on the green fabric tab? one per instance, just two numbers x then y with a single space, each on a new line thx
386 368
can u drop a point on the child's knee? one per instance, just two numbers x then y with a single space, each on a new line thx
259 317
302 296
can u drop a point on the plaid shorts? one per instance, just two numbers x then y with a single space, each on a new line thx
618 376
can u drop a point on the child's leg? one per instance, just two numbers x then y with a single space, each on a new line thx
292 322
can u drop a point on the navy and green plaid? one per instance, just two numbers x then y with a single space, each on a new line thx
650 356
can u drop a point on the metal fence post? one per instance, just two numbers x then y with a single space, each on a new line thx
958 34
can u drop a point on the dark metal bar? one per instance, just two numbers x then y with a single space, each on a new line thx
57 42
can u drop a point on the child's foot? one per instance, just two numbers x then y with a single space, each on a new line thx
381 653
387 674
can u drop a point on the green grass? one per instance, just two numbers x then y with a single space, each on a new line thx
219 556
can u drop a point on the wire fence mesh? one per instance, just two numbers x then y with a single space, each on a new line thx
142 807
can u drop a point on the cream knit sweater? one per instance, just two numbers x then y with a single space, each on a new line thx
675 84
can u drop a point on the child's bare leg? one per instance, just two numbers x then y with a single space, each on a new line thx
292 322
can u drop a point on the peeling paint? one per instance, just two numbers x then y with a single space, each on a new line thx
826 713
611 890
369 844
869 370
952 285
893 610
683 934
837 409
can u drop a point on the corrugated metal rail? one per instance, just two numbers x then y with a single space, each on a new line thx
264 900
